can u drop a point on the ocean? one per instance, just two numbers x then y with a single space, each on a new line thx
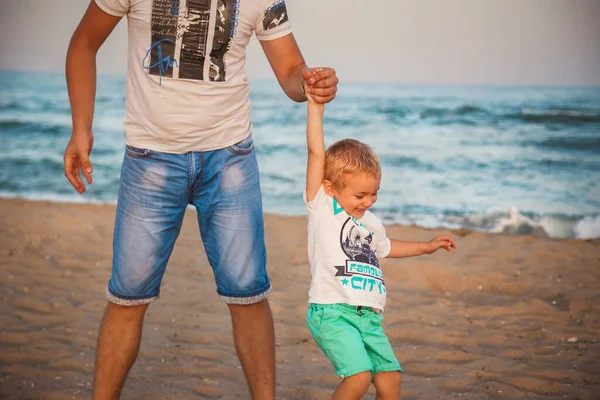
522 160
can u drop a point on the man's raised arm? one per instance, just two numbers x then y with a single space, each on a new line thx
291 71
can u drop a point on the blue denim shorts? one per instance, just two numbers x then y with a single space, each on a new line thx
155 190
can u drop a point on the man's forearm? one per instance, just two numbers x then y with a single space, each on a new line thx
81 84
293 84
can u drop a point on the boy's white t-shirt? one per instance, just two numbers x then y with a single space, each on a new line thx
187 89
344 255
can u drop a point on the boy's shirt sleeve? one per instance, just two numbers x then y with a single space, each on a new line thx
384 245
317 201
274 22
117 8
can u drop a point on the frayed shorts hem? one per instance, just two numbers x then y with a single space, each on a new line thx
257 298
128 302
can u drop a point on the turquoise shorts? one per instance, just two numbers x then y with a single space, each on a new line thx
352 338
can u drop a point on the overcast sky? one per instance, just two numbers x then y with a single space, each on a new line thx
531 42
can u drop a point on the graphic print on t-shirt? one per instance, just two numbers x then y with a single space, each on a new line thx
275 15
187 43
362 270
180 31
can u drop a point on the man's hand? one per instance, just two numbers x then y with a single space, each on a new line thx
77 159
320 83
439 242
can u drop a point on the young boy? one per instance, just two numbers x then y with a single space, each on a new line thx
345 242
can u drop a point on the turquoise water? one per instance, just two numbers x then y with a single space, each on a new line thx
516 159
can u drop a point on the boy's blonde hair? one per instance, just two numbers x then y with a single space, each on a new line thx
347 156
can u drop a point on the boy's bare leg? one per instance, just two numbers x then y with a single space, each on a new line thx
254 338
353 387
118 346
387 385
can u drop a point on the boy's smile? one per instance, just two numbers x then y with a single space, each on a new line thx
358 194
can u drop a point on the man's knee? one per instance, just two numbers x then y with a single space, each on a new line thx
122 313
253 308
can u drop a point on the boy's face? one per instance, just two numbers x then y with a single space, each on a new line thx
359 193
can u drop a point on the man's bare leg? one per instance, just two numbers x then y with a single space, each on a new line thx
118 346
254 338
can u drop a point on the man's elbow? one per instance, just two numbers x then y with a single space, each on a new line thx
81 43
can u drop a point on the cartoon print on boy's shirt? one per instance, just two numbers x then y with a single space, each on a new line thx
362 270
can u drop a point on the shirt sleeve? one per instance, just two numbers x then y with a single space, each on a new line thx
118 8
318 201
274 22
384 245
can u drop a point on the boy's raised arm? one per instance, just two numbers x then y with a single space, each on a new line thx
315 169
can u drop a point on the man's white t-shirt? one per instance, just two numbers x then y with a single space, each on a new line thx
344 255
187 89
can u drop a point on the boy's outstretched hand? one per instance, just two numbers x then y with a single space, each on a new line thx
439 242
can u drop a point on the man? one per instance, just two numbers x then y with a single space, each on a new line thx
188 135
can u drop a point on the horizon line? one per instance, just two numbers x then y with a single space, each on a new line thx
358 82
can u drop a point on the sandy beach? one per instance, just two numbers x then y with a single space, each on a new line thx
503 317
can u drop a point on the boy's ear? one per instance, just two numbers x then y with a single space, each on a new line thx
329 188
